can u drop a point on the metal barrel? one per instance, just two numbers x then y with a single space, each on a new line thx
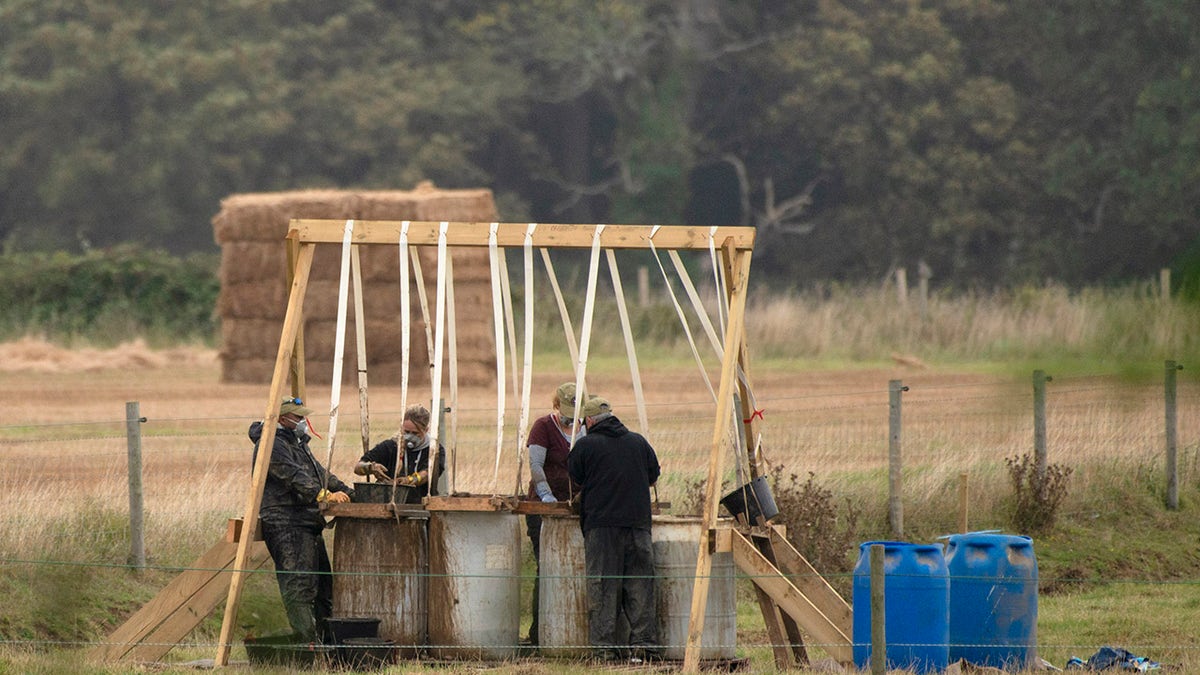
562 598
474 584
676 547
381 568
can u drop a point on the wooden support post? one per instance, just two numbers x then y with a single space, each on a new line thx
791 600
1172 432
963 502
291 323
878 612
296 362
1040 378
733 342
895 487
902 286
137 533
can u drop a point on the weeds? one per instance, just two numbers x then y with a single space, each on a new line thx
816 527
1036 496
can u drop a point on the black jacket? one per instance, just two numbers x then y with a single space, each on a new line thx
293 481
615 467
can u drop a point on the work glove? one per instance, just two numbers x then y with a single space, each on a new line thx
549 499
379 471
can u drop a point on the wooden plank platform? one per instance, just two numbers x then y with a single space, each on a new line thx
380 511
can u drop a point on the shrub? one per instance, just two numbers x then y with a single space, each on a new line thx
1036 498
822 533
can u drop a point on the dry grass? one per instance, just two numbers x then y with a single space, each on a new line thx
64 442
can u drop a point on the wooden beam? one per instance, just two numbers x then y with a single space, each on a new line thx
178 608
733 340
790 600
382 511
471 503
809 581
547 235
291 322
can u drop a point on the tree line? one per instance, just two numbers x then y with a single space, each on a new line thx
995 141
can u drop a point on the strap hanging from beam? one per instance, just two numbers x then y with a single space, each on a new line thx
509 320
527 365
452 348
423 299
687 331
585 335
360 341
339 348
405 333
568 329
439 340
634 373
498 323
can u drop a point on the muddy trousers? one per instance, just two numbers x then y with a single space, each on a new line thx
620 570
304 575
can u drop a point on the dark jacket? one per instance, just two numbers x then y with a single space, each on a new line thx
615 468
413 460
293 481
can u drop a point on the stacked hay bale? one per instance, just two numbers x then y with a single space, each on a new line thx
251 230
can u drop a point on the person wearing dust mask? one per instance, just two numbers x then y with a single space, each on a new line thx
404 458
292 521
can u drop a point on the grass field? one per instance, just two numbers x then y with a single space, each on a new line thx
1118 569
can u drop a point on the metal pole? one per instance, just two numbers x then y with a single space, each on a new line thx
1040 378
1172 428
878 612
133 435
895 506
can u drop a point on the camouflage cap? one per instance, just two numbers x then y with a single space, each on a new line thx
294 406
594 406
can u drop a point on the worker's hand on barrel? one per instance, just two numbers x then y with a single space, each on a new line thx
339 497
379 471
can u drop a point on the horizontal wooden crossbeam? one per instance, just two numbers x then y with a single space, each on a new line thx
545 235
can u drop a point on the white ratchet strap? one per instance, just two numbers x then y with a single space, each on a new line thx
339 347
498 323
585 334
634 373
687 331
527 365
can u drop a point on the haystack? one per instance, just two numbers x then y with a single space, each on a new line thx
250 228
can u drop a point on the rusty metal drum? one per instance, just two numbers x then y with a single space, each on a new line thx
474 584
381 569
562 598
676 547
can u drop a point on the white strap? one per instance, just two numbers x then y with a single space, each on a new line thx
634 374
568 329
509 320
360 337
687 331
585 335
439 340
527 366
423 299
452 361
339 347
498 325
718 275
697 304
405 329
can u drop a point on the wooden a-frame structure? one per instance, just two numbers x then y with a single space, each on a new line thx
791 594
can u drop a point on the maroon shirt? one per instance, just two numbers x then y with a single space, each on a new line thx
546 433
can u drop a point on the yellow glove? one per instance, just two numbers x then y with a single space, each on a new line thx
323 496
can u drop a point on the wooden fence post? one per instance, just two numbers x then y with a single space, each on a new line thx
133 438
1172 429
1040 378
902 286
1164 284
878 612
643 285
895 488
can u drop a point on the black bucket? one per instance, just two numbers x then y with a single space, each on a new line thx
366 653
380 493
753 499
345 628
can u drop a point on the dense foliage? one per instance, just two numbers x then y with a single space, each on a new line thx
109 296
994 141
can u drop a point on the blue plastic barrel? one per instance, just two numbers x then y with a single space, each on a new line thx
993 600
916 594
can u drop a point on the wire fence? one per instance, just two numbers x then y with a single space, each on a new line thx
67 482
